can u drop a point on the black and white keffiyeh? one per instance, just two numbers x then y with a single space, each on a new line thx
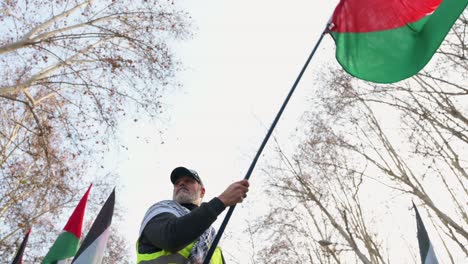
201 246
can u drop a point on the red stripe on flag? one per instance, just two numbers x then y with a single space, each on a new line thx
376 15
75 222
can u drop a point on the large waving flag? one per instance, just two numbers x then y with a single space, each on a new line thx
92 249
19 254
386 41
68 241
425 248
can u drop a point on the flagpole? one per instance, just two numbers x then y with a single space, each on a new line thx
262 146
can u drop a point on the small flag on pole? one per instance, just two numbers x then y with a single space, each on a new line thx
425 247
68 241
19 255
92 249
386 41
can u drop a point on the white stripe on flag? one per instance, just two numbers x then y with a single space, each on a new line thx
94 253
430 257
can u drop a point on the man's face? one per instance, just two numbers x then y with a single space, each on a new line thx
188 190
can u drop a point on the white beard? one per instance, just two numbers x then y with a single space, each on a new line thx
186 197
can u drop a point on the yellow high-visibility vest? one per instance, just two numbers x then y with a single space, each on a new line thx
179 257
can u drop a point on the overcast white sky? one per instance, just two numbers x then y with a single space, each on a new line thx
241 63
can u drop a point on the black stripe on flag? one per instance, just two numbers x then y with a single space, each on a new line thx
102 222
19 255
425 247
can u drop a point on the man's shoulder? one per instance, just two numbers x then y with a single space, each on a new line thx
165 206
162 203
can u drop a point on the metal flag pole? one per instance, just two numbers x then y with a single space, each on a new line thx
262 146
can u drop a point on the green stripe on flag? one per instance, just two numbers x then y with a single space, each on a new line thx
64 247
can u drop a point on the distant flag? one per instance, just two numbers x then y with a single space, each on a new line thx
19 255
425 248
386 41
68 241
92 249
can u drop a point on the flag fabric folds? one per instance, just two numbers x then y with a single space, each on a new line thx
19 254
425 247
68 241
386 41
92 249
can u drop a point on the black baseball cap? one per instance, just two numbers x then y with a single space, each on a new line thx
182 171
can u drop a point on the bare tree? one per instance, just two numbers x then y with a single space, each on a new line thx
70 71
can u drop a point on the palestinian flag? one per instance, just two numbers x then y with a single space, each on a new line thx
386 41
92 249
425 248
68 241
19 255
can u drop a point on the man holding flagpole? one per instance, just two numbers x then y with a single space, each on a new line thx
179 230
